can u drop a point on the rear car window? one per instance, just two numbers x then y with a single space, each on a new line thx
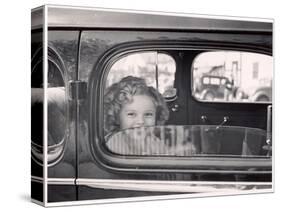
232 76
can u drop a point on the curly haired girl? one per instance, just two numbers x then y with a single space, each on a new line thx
130 103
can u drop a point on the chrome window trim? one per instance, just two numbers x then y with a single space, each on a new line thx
171 186
54 181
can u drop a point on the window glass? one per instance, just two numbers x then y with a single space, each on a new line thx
56 111
56 105
158 69
188 140
230 76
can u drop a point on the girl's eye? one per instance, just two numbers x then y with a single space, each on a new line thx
131 114
149 114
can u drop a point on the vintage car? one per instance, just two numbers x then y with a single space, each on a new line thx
214 87
263 94
209 147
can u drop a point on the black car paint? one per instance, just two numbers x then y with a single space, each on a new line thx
83 56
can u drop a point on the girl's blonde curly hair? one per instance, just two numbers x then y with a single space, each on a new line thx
121 93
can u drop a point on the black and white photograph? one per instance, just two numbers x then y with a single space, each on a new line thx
123 108
140 105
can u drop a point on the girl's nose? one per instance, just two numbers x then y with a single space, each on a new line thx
140 120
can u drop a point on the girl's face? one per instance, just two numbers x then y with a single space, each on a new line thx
140 112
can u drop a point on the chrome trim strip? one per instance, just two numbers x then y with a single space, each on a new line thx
37 179
61 181
172 186
155 185
54 181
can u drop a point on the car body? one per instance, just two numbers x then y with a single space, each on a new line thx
81 49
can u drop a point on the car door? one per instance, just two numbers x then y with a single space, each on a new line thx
98 168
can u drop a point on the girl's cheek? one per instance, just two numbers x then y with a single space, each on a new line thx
150 121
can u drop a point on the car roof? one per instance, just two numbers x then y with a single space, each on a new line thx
65 16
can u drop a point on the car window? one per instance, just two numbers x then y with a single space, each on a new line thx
232 76
171 132
56 110
124 97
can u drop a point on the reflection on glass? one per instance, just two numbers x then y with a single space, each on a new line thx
145 65
56 113
233 76
189 140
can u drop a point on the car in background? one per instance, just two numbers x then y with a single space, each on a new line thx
262 94
214 87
